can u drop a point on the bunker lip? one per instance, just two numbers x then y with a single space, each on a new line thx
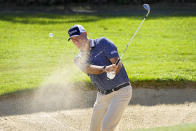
32 111
61 98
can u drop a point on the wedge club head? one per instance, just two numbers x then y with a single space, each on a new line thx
147 8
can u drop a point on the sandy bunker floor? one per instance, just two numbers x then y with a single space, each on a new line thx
70 110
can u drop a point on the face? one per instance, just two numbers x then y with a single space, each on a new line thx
80 41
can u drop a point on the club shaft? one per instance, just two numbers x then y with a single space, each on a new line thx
147 14
130 40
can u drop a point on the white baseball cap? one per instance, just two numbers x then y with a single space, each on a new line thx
75 30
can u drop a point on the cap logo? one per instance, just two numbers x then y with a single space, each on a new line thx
71 32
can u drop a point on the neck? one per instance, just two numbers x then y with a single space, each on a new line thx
87 46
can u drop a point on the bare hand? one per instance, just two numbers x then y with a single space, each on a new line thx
111 68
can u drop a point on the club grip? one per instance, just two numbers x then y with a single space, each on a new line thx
117 61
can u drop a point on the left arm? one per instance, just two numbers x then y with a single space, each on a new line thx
113 66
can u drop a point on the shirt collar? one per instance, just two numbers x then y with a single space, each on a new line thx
92 43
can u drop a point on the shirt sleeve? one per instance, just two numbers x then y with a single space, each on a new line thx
77 59
81 60
110 49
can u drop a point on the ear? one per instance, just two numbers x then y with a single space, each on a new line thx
84 34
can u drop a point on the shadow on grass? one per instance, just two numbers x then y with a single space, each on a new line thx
82 95
70 15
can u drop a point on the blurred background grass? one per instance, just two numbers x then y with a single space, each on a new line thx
163 50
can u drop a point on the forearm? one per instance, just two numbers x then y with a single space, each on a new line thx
119 67
93 69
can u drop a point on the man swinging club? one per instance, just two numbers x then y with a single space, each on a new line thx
97 57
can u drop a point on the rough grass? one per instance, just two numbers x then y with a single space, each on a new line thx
183 127
163 50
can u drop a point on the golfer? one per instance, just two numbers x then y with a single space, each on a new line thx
96 58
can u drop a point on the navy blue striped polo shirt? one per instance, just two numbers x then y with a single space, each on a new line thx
101 50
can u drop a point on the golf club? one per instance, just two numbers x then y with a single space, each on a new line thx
111 75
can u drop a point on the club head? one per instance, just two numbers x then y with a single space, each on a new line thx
147 8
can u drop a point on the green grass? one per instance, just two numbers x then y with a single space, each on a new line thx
163 50
185 127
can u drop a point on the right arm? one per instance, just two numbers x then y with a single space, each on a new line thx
95 69
88 68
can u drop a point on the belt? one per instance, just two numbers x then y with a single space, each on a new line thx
105 92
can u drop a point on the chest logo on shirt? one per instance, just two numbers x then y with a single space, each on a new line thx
98 53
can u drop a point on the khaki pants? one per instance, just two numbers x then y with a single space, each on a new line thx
108 109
